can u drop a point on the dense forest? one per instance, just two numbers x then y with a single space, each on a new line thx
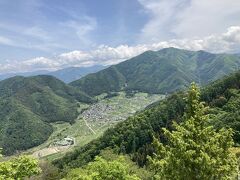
29 105
161 71
134 136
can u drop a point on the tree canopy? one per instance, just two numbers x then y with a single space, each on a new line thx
101 169
194 150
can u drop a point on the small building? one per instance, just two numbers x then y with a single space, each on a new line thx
68 141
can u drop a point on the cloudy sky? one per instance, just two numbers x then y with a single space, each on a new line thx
54 34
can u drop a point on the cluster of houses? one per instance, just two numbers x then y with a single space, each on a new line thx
96 111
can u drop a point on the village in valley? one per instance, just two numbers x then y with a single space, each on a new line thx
93 120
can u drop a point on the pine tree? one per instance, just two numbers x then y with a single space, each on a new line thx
195 150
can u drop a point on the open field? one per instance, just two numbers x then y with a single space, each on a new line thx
93 121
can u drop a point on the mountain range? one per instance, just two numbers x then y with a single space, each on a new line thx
163 71
28 105
67 74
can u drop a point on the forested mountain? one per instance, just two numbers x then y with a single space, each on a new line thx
161 71
67 74
134 136
28 105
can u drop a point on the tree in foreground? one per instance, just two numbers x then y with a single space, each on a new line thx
19 168
101 169
194 150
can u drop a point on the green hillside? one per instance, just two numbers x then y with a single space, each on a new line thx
134 136
161 71
28 105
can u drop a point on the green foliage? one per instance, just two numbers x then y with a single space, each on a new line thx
194 149
223 97
161 72
141 172
23 130
19 168
134 136
29 105
100 169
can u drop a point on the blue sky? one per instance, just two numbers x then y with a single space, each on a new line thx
50 27
53 34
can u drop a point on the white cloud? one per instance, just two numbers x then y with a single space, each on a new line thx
162 17
38 63
232 35
74 55
205 17
75 58
187 18
228 41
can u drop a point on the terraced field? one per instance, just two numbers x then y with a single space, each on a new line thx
93 121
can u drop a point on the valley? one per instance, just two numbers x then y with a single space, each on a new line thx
32 107
118 110
92 122
120 90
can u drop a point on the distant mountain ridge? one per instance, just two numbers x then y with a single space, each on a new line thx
25 74
162 71
67 74
29 104
73 73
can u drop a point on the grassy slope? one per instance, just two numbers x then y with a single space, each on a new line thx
162 71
